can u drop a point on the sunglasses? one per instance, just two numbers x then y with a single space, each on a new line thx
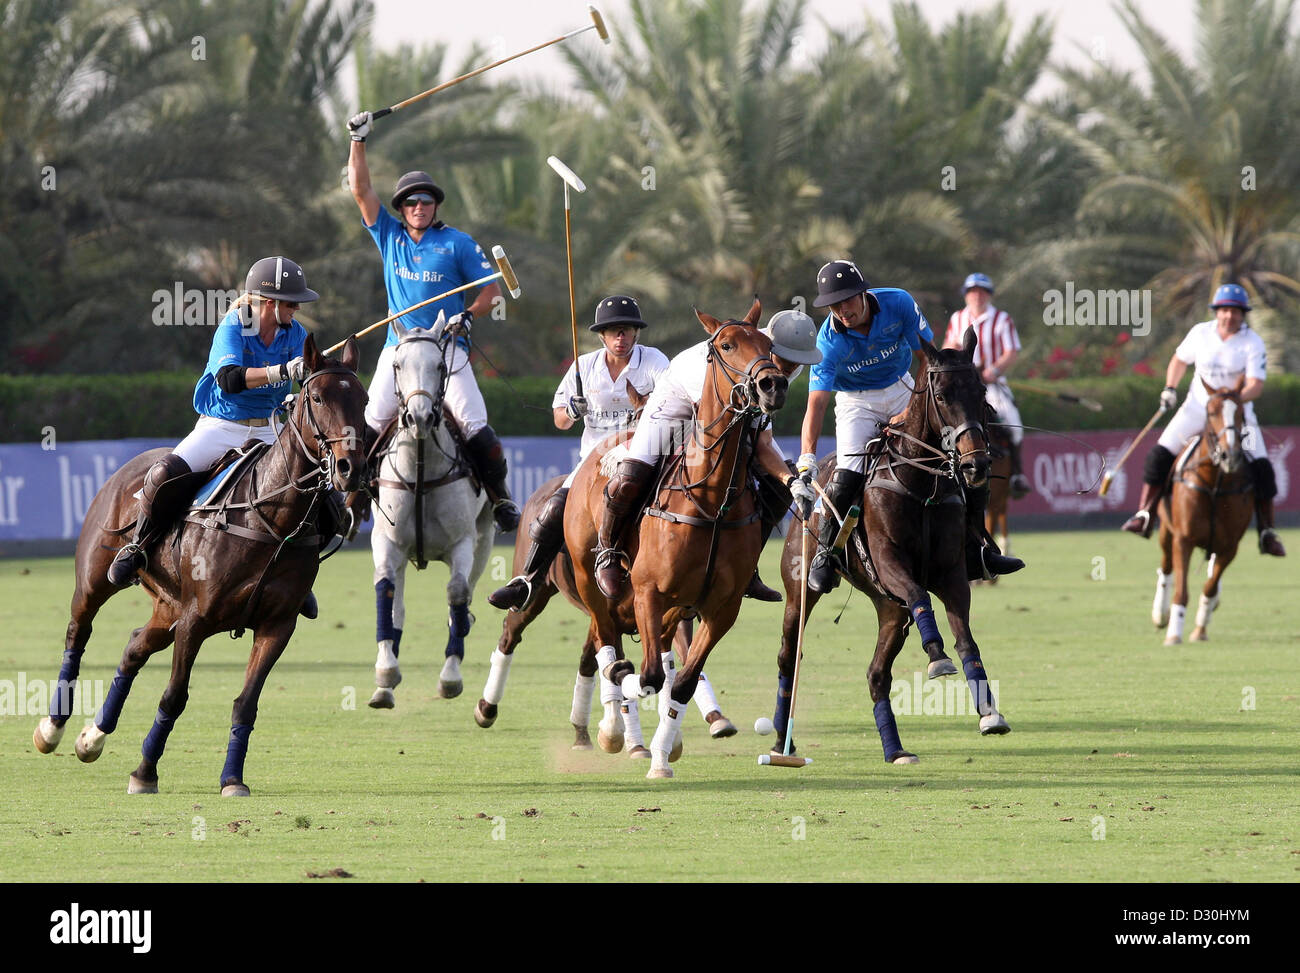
417 198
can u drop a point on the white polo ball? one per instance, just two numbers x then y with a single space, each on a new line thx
763 726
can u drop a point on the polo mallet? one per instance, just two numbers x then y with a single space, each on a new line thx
597 24
1090 404
504 271
570 179
1110 474
785 759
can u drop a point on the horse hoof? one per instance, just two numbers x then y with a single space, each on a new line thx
46 736
639 753
721 728
388 678
659 773
1173 640
993 724
905 758
450 690
675 754
90 744
1200 635
941 667
234 790
581 738
134 785
1159 621
618 669
609 742
383 699
485 713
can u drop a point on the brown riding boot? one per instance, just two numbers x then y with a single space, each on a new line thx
130 559
1142 521
623 496
1019 485
547 532
1269 543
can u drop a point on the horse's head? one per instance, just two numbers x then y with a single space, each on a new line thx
745 376
1223 425
420 378
954 407
330 412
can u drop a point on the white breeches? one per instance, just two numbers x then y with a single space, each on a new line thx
212 437
1004 404
1190 420
665 423
858 418
463 397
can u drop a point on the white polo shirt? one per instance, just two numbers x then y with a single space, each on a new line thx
1220 363
610 408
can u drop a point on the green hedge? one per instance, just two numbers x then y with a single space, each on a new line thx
158 405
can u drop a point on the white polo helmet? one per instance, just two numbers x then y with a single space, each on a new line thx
794 337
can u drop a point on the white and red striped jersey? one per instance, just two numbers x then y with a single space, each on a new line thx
994 329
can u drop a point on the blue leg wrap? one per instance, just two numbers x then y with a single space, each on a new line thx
781 717
384 593
923 615
106 718
236 750
978 682
61 701
887 727
397 640
156 741
459 625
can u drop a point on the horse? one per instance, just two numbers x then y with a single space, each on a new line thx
911 540
1210 506
248 563
680 565
429 507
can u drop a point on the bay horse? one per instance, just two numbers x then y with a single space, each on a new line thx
696 548
1209 506
247 565
429 507
910 541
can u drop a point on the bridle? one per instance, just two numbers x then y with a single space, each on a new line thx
743 399
435 398
321 458
945 461
1222 453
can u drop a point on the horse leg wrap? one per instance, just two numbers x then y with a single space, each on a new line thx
1177 615
61 701
781 715
1160 606
923 614
670 724
384 593
156 741
980 691
584 687
704 696
1205 608
495 689
118 690
887 728
633 688
236 751
609 691
460 623
632 724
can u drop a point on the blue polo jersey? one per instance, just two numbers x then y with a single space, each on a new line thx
414 272
853 362
235 345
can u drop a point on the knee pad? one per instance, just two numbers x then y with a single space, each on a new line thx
1265 478
1159 463
551 520
490 457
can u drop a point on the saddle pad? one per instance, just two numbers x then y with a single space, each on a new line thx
1185 456
208 489
228 475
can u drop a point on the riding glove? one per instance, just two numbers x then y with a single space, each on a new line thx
359 126
577 407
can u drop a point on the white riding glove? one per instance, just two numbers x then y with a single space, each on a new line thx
804 497
807 467
576 407
359 126
294 370
459 324
1169 397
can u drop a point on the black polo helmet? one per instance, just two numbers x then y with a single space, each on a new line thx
414 182
279 279
615 310
838 281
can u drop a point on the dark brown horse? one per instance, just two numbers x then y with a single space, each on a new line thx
911 541
250 568
695 551
1209 506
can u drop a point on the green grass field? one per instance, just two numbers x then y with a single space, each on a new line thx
1187 755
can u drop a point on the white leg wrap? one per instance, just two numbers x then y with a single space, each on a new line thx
670 674
1177 613
632 724
583 688
609 693
386 658
670 724
1160 607
496 682
1205 609
632 688
704 697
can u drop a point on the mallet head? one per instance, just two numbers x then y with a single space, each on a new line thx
568 175
599 23
780 760
507 271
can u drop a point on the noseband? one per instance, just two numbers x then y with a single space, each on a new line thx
951 436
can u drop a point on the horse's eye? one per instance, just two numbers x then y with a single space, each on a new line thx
315 398
938 397
725 347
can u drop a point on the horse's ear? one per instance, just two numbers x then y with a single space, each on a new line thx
636 398
931 352
1208 387
711 324
755 313
310 356
400 329
351 355
968 345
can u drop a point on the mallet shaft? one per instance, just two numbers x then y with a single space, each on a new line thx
573 307
1110 474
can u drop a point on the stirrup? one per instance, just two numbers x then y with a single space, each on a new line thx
506 597
608 558
131 558
824 572
1139 523
1008 564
